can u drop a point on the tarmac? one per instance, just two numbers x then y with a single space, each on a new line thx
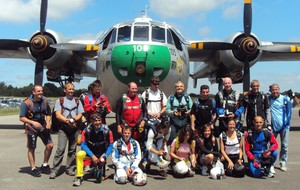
15 170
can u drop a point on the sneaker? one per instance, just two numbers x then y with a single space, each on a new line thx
70 172
46 169
272 169
87 168
163 173
271 175
283 167
78 181
204 171
35 172
52 175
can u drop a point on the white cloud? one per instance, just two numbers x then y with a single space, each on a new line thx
19 11
232 11
185 8
204 31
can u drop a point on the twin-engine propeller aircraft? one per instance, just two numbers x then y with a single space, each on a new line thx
139 49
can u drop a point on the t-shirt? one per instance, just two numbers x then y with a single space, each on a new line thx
183 150
69 105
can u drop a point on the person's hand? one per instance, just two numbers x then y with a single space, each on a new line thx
256 164
119 129
267 154
129 172
160 152
95 159
230 165
36 124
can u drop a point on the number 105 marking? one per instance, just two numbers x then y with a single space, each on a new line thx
140 47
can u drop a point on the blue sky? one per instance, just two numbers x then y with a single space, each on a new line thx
275 20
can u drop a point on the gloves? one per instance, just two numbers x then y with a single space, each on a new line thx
256 164
290 93
267 154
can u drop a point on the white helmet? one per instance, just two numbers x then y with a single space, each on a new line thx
181 167
139 179
217 173
162 163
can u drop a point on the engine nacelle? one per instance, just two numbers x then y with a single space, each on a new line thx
246 49
53 58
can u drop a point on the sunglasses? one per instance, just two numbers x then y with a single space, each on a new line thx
96 118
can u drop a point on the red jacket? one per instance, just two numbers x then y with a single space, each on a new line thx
90 108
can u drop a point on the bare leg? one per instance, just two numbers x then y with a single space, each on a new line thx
31 158
47 152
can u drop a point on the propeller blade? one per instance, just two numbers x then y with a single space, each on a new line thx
281 48
213 46
246 78
43 15
7 44
247 17
75 47
39 70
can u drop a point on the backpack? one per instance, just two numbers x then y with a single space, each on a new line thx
55 123
213 141
119 146
224 138
186 97
151 125
105 133
29 103
196 103
147 97
267 135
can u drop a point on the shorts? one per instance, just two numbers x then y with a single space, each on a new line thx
202 158
33 134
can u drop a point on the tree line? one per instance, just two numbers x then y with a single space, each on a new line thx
50 90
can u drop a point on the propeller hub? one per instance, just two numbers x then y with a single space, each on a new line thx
39 43
249 45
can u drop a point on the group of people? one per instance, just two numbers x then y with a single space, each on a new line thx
148 123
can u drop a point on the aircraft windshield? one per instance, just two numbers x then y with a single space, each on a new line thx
158 34
141 33
124 34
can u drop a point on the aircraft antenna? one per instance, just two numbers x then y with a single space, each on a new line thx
144 13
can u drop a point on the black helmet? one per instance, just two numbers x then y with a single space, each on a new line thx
239 170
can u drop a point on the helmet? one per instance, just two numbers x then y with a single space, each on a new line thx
181 167
266 160
239 170
216 173
220 112
162 163
139 179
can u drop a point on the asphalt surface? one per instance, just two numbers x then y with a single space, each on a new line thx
15 170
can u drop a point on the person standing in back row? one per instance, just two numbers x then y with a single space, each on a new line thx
96 102
256 104
203 110
68 111
228 106
281 115
178 108
35 113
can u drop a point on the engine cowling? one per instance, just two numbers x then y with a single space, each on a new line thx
234 60
40 46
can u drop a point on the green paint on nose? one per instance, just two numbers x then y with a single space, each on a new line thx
138 63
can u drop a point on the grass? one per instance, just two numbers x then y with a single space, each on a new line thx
9 111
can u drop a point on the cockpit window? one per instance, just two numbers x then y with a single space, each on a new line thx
124 34
169 37
141 33
158 34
